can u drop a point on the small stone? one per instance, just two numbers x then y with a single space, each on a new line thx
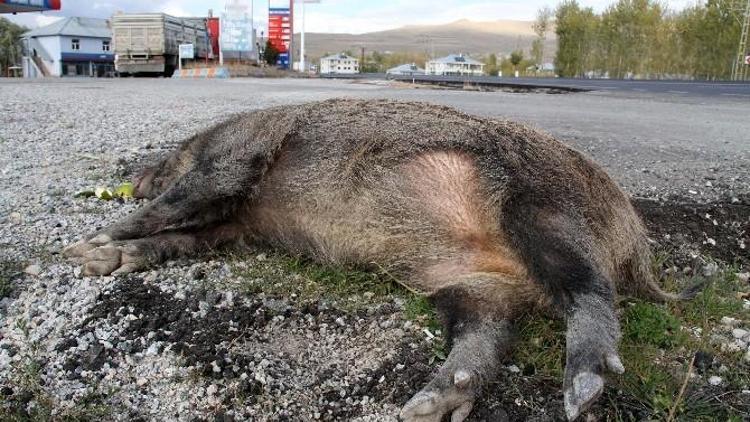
215 367
739 333
731 347
714 380
33 270
743 277
15 218
261 257
153 350
141 381
514 369
729 321
212 389
710 269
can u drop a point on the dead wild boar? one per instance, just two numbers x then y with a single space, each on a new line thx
488 218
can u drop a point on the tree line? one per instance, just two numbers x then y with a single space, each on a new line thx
641 38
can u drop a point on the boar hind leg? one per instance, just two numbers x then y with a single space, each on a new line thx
121 257
557 250
479 341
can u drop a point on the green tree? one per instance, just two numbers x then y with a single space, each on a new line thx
10 44
492 66
575 28
628 36
270 54
541 26
516 58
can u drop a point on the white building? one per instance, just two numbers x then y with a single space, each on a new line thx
69 47
339 63
455 64
405 69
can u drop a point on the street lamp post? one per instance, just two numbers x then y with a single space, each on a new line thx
302 34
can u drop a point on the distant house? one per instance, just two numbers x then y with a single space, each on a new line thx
69 47
455 64
339 63
405 69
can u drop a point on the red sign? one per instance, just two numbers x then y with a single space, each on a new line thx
212 25
280 28
747 60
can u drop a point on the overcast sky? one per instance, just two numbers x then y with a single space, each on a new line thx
344 16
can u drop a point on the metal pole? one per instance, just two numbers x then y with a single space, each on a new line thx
302 40
221 49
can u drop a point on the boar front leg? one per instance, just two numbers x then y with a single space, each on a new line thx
120 257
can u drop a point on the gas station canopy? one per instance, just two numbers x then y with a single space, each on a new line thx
16 6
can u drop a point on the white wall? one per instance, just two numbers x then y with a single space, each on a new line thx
52 46
88 45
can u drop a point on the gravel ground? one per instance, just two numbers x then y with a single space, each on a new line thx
190 340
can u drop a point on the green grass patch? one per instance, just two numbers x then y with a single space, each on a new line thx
651 324
541 346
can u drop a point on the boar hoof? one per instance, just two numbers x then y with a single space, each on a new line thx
430 405
586 387
111 259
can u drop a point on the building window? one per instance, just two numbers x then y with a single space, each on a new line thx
105 45
75 44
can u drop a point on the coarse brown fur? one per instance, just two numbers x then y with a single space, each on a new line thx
489 218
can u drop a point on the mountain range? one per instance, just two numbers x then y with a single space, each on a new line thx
463 36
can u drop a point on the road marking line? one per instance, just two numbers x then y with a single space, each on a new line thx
737 95
639 90
678 92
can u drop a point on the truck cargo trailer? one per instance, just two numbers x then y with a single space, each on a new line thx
148 43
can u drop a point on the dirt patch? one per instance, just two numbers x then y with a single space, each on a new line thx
720 230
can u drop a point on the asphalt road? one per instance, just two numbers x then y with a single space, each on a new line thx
739 90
